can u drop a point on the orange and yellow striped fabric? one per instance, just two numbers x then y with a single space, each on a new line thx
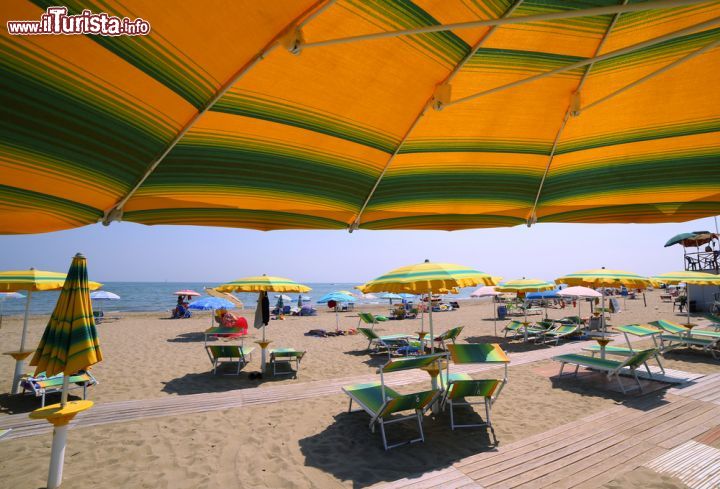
343 134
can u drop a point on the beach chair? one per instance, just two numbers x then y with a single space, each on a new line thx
41 385
367 318
678 336
449 335
387 344
611 367
381 402
516 327
557 333
714 320
460 386
225 333
219 354
285 357
635 330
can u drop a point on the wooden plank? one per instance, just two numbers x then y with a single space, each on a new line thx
696 464
565 454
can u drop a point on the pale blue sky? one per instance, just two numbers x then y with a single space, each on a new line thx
131 252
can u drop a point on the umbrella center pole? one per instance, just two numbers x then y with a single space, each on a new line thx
20 357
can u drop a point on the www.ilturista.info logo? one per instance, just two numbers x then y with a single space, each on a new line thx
56 20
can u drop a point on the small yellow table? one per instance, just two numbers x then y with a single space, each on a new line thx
19 355
603 342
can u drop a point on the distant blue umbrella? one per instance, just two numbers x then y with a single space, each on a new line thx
337 297
406 296
103 294
390 296
211 303
8 295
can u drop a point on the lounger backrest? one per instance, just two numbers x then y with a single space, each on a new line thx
638 329
514 325
369 333
669 326
367 318
477 353
452 333
406 363
417 400
639 358
224 351
566 329
472 388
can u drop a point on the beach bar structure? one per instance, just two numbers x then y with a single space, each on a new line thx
701 253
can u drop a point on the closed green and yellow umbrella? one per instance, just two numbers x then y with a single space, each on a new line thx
31 281
69 344
262 284
432 115
602 277
688 278
70 341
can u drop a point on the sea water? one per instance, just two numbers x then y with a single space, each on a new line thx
158 296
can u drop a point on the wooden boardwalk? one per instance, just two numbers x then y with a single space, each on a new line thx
122 411
597 449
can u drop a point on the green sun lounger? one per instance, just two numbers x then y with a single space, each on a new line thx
557 333
640 330
371 319
677 328
384 344
522 331
678 335
41 385
611 367
285 356
460 386
449 335
381 402
714 320
515 327
219 354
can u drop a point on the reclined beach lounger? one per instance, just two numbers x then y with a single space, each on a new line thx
640 330
384 344
42 385
678 336
285 356
515 327
370 319
381 402
459 386
219 354
449 335
714 320
225 333
612 367
557 333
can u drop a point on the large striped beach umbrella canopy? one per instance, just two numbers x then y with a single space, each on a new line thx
364 114
263 283
31 281
429 277
525 285
70 342
689 278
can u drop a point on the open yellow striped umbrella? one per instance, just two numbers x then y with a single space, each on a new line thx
602 277
31 281
263 283
429 278
525 285
378 115
688 278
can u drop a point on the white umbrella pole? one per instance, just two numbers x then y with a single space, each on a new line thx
432 335
337 320
57 453
20 364
687 295
602 313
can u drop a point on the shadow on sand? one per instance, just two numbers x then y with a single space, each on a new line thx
26 403
350 452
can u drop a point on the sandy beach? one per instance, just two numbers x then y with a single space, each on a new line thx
295 443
